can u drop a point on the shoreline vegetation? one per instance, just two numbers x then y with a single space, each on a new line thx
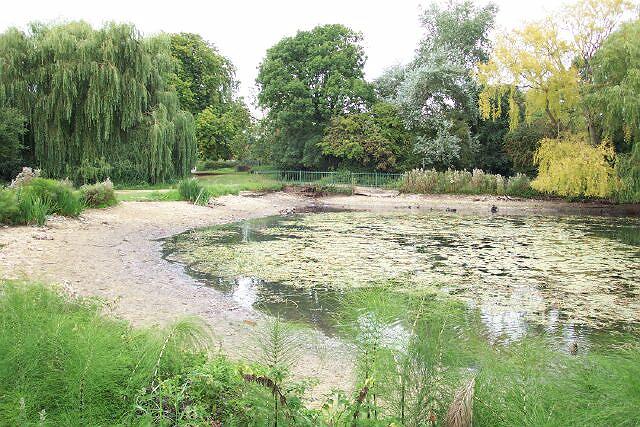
66 362
30 198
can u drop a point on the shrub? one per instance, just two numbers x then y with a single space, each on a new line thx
572 167
57 195
33 209
32 198
519 185
99 195
192 190
207 165
9 210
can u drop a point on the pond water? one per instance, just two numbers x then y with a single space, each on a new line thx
561 275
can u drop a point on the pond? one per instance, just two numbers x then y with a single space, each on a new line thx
560 275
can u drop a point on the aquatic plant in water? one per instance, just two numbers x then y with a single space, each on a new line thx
547 269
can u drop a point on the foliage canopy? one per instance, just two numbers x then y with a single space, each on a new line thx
307 79
91 94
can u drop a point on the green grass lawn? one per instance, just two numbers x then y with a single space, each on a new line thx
226 181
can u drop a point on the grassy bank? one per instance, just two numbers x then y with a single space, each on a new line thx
222 183
64 363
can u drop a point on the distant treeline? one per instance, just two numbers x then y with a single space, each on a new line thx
89 103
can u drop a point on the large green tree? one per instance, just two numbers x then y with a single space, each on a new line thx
436 93
92 96
206 85
223 134
11 132
616 93
375 139
203 77
306 80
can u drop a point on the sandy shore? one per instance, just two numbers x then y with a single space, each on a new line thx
115 254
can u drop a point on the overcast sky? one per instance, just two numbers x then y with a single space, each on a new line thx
244 29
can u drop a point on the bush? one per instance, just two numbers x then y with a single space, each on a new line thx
33 209
57 195
207 165
9 210
192 190
34 198
520 185
243 167
571 167
99 195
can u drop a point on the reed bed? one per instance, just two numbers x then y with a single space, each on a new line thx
431 181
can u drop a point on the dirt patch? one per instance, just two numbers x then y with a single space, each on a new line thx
115 254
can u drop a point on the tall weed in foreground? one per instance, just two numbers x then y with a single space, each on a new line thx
531 384
425 361
277 351
63 359
421 362
412 356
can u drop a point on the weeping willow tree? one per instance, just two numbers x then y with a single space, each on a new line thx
97 99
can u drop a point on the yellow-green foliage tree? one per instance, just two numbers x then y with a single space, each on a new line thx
532 59
550 62
570 166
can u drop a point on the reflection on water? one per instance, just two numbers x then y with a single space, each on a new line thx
562 275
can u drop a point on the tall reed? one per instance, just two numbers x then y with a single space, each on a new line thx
430 181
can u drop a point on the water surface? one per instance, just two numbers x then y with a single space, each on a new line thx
561 275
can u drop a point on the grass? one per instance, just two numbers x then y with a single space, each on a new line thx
234 182
227 181
33 201
64 363
162 195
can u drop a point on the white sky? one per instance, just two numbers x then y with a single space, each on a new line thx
244 29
